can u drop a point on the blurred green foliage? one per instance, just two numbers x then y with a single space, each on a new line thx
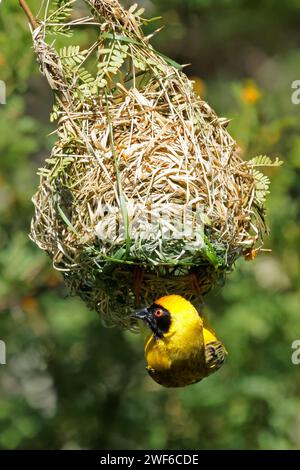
71 383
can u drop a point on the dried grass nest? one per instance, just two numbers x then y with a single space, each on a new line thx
144 193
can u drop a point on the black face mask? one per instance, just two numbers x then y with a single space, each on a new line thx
157 318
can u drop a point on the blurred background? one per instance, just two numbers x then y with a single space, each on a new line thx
70 383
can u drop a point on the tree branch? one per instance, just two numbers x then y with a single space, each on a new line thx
32 20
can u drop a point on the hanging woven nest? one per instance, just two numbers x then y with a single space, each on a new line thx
144 193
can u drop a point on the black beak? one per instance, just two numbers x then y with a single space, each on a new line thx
141 314
147 316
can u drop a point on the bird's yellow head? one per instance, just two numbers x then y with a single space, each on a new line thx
170 314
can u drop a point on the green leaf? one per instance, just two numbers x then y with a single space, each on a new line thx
262 184
65 218
264 160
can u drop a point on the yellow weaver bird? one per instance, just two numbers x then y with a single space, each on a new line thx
181 349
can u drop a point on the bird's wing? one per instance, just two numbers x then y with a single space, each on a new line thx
215 354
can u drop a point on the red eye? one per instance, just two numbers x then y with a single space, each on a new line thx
159 313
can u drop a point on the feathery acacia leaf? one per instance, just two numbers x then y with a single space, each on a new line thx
264 160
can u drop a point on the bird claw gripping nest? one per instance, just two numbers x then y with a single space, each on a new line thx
144 193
